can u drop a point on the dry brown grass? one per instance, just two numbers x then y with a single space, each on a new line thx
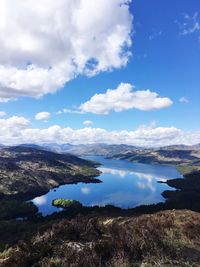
168 238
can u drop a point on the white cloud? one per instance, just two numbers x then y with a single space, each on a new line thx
184 99
72 111
14 122
124 98
12 128
88 122
2 113
16 130
67 38
42 116
68 111
190 24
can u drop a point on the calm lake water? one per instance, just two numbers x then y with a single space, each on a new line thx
124 184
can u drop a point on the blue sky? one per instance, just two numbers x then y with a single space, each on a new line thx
165 59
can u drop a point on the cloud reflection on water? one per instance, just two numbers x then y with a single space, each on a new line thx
121 173
39 201
85 190
145 180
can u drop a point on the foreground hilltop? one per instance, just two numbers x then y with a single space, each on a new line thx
169 238
28 171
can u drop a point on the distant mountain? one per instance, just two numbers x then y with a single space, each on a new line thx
60 148
181 147
174 154
176 147
89 149
31 146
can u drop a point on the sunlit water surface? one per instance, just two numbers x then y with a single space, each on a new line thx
124 184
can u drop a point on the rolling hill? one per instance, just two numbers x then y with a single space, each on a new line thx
29 171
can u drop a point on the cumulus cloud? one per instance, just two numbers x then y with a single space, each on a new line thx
14 122
184 99
68 38
88 122
17 130
124 98
42 116
11 129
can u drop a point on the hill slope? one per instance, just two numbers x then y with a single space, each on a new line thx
166 155
27 171
169 238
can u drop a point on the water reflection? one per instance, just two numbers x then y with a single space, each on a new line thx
86 190
39 201
123 173
146 180
124 184
120 173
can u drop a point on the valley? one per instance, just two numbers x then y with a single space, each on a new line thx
29 172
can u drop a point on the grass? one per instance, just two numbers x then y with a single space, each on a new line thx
169 238
7 253
187 169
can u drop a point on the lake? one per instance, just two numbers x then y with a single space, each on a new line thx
124 184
